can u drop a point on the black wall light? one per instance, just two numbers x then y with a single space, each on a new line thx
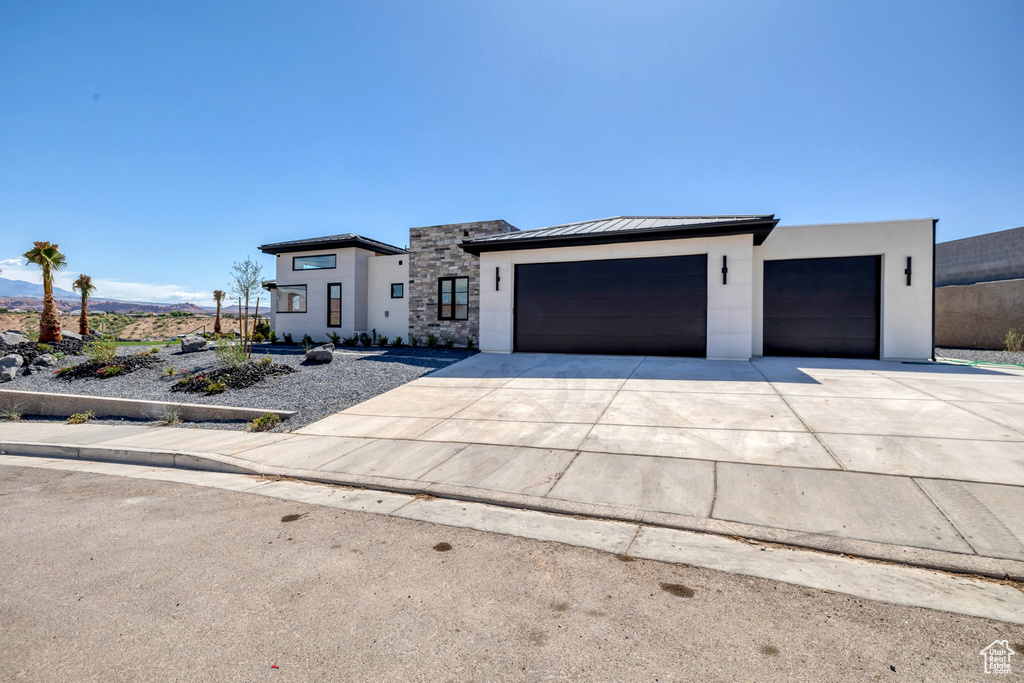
908 271
497 278
725 269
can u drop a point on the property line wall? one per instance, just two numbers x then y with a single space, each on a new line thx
978 316
985 258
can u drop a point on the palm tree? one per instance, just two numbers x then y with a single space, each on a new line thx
85 287
218 296
49 259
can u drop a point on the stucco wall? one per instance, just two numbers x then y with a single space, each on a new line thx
350 271
388 316
729 305
906 311
978 316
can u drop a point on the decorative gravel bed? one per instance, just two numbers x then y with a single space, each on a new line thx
978 355
314 390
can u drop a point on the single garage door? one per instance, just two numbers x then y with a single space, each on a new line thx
643 306
822 307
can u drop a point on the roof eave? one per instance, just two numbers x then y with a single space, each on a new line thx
760 229
291 247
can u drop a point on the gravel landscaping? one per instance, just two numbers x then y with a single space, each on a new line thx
314 390
977 355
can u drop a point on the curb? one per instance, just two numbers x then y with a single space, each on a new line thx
940 560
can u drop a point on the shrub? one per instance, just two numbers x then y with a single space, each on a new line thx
264 422
1014 341
100 351
110 371
171 416
154 350
382 340
470 343
262 328
365 340
350 341
213 388
81 418
43 348
335 338
414 341
449 343
307 342
169 372
431 340
397 342
60 355
60 372
12 413
266 360
287 338
272 337
257 338
230 354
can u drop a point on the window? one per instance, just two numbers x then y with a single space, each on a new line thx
334 304
291 299
397 290
453 303
314 262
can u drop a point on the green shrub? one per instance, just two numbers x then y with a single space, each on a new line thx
110 371
350 341
397 342
60 355
382 340
366 340
81 418
230 354
470 343
307 342
169 372
13 413
264 422
43 348
287 338
257 338
171 416
1014 341
431 340
449 343
101 351
414 341
154 350
266 360
272 337
335 338
213 388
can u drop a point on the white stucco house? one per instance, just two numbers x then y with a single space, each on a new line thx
729 287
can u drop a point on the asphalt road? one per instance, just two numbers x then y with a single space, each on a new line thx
115 579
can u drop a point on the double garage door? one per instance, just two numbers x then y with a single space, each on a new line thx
658 306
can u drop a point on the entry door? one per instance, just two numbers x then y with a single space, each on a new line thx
823 307
641 306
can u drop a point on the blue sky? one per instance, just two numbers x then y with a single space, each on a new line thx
159 142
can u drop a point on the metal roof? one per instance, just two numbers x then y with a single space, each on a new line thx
625 229
349 239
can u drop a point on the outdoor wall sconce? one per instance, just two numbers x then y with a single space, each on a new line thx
497 278
907 271
725 269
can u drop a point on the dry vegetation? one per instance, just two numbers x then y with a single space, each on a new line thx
122 325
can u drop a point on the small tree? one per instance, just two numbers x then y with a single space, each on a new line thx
246 283
49 259
84 286
218 296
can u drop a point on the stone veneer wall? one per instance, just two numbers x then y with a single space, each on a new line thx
434 253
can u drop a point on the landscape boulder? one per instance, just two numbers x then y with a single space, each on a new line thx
13 338
70 335
12 360
47 360
7 374
191 343
321 354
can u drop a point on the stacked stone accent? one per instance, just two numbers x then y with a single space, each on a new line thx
434 253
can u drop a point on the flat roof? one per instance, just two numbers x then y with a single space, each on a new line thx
627 229
332 242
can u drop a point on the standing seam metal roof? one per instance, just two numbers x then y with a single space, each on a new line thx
619 224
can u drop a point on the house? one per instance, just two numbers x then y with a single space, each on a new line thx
728 287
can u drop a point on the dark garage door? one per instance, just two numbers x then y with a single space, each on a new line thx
822 307
643 306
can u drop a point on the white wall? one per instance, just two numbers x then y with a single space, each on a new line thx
906 311
729 305
388 316
350 271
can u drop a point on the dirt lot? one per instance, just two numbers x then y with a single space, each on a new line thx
161 326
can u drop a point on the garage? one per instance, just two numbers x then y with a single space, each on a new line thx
823 307
636 306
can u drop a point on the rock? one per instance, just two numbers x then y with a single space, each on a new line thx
7 374
190 343
70 335
47 360
12 360
321 354
13 338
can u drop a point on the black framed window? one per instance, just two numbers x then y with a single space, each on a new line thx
397 290
334 304
453 298
291 299
322 262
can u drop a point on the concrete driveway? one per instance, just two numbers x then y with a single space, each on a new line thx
786 443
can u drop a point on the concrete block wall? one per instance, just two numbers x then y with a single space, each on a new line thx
978 316
434 253
985 258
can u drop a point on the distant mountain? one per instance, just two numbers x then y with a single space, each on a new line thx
18 288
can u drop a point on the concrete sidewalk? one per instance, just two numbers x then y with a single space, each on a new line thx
919 464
